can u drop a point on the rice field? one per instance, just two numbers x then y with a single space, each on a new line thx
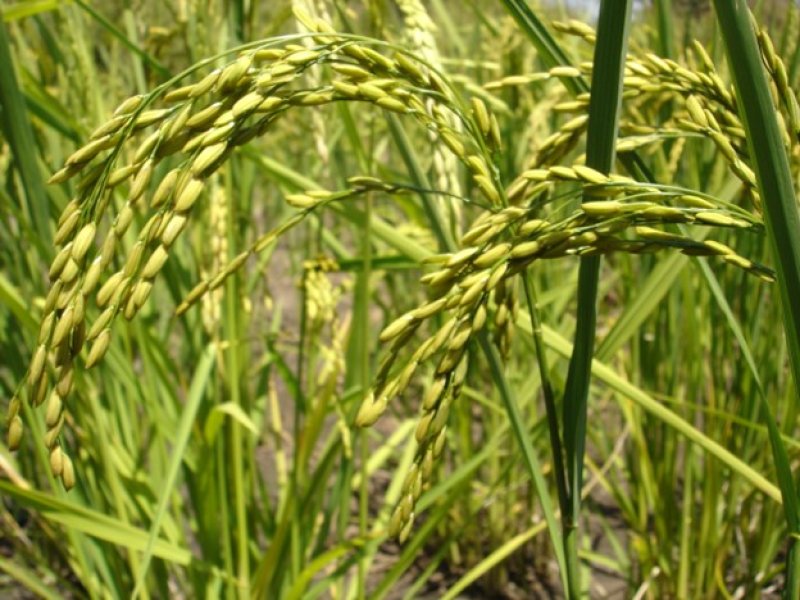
384 299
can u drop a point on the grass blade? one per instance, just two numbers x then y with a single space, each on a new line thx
20 10
181 442
17 130
609 60
94 523
528 452
780 211
630 391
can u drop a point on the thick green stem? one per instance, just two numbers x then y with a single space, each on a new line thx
609 60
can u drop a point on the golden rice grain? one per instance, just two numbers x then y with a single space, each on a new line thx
473 292
92 276
602 208
352 71
89 151
15 430
481 116
370 410
491 256
149 117
67 227
59 261
590 175
234 72
63 326
36 369
207 157
67 294
134 258
434 393
102 321
141 291
397 327
715 218
99 348
129 105
109 289
51 437
188 195
165 188
423 427
174 227
461 257
718 248
67 472
487 187
56 461
54 407
301 201
83 241
392 104
525 249
429 309
38 391
70 271
314 98
45 328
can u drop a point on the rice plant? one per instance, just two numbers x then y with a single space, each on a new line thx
300 306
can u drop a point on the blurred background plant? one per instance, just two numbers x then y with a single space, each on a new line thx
215 453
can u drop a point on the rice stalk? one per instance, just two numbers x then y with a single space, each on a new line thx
419 33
